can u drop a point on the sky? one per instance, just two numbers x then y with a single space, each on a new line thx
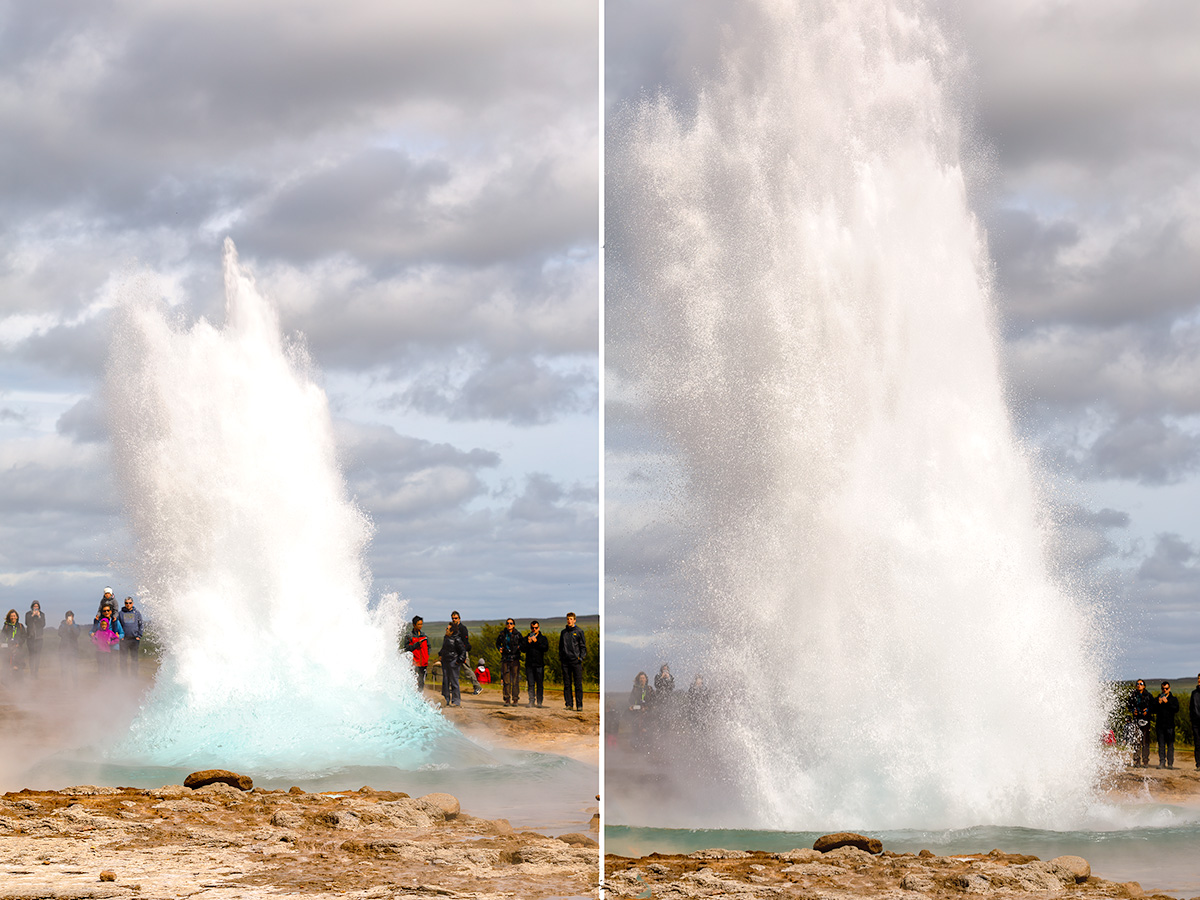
415 186
1083 158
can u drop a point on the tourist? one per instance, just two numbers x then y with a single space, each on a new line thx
641 699
106 631
131 643
35 625
664 681
1165 707
465 635
697 696
1194 715
482 672
1139 709
417 644
508 642
68 649
107 600
12 644
537 645
572 650
453 655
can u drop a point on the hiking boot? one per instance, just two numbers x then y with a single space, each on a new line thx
478 690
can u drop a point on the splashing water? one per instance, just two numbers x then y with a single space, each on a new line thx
801 312
250 555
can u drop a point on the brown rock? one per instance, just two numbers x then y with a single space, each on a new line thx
594 825
926 854
447 803
828 842
108 875
577 839
1132 889
219 776
1076 865
295 790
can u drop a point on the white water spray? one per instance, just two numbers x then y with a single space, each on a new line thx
802 313
250 554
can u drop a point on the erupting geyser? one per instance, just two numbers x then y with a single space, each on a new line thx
800 313
249 555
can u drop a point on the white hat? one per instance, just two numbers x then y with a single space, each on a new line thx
481 662
108 590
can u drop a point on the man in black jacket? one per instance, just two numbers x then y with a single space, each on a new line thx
572 648
465 637
1165 707
508 642
1194 714
535 648
1139 708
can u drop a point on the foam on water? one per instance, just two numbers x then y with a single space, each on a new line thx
249 555
801 309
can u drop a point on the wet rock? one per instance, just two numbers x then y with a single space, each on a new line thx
108 875
1132 889
846 855
926 854
971 883
447 803
222 776
828 842
718 853
1076 865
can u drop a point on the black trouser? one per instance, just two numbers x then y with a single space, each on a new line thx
130 648
34 648
572 670
510 675
533 680
1166 746
1141 747
1196 742
420 670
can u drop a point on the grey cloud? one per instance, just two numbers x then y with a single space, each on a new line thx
1149 451
84 422
521 391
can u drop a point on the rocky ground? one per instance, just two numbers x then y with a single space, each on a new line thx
851 873
221 842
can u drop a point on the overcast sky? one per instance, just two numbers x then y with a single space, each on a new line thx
1085 168
415 186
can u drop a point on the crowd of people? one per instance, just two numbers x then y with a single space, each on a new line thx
115 635
454 656
1142 707
657 706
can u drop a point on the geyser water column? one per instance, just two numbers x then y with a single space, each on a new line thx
800 314
249 554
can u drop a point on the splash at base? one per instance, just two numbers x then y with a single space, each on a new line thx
249 555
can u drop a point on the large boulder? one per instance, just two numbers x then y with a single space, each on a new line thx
1076 865
828 842
219 776
447 803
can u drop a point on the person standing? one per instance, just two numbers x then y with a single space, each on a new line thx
456 620
1165 707
664 681
453 654
35 625
12 643
572 650
68 649
1194 715
417 644
535 648
1139 708
508 642
106 631
131 643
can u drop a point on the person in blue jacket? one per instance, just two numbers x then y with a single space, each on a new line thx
131 641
